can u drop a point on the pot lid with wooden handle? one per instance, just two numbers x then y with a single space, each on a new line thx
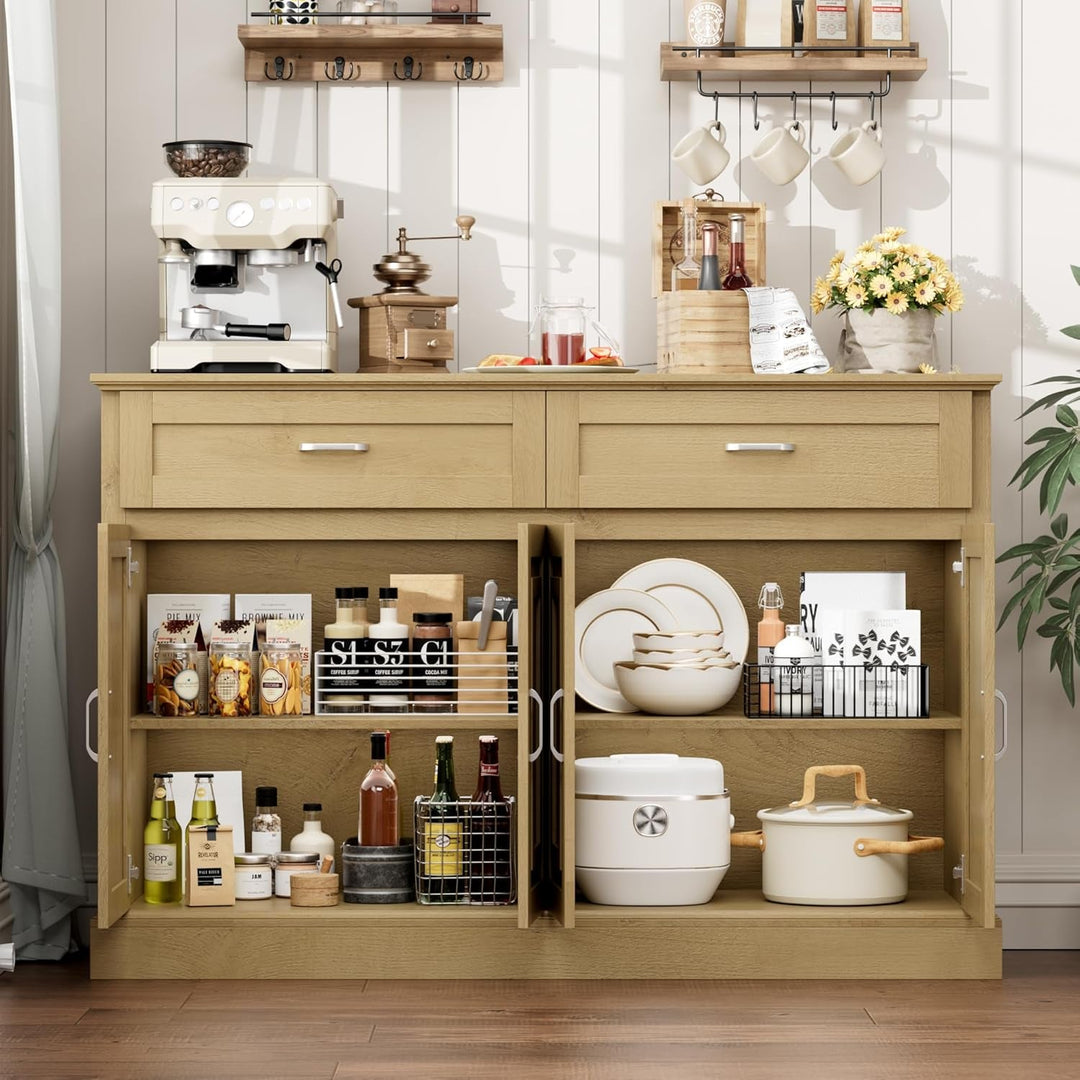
860 810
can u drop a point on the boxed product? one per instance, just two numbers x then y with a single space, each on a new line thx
175 607
483 677
429 593
211 866
764 23
261 608
885 22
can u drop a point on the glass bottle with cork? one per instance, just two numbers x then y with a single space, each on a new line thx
490 866
710 261
378 824
737 277
770 632
686 273
442 860
161 846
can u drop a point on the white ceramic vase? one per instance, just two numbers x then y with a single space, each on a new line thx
883 341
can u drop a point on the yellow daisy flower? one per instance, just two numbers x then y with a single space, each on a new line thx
855 296
832 275
954 298
845 277
889 235
890 247
862 249
903 273
821 296
925 293
872 260
880 286
836 260
941 281
897 303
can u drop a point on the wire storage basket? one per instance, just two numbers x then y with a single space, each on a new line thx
465 852
880 692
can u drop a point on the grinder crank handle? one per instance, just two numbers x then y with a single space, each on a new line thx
331 274
272 332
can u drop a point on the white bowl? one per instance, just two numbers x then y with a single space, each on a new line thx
679 690
679 640
680 656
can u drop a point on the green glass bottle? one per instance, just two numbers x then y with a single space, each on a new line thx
161 846
443 839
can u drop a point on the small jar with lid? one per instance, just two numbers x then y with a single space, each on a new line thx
176 679
293 862
281 681
433 662
232 680
254 876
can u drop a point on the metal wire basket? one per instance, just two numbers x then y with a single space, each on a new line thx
881 692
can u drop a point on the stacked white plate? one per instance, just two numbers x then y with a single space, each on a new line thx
659 597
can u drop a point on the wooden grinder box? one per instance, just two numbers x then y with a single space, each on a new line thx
699 332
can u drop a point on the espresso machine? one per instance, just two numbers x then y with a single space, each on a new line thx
248 275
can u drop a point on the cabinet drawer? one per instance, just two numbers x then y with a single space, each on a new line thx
420 344
802 449
270 449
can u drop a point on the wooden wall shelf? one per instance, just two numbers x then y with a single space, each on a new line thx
681 63
372 54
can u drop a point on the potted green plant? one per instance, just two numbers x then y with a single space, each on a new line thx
1048 567
890 293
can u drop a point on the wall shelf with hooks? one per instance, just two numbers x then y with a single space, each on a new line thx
686 63
373 54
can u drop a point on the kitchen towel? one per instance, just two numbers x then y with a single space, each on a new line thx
781 341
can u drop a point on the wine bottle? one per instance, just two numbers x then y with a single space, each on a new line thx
161 846
737 277
442 860
490 871
378 826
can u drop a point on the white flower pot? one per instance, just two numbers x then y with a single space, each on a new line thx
883 341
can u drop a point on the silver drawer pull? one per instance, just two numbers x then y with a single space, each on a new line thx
761 447
332 447
433 343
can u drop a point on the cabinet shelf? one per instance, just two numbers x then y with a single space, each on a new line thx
599 721
682 63
372 54
278 910
402 723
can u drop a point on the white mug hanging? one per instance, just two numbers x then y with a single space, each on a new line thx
701 154
858 153
782 155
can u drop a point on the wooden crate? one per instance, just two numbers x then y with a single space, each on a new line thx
703 333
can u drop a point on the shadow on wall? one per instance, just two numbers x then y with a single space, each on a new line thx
502 331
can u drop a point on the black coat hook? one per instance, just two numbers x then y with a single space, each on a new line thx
835 122
338 74
468 65
279 69
408 65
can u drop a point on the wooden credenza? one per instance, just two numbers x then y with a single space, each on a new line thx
205 488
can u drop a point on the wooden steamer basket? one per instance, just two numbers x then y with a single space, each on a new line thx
702 333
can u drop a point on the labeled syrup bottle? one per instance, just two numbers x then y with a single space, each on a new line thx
737 277
161 846
490 870
378 826
345 639
388 681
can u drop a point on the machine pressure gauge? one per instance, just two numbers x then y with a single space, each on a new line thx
240 214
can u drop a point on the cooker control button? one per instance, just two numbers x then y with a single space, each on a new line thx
303 204
650 820
195 204
266 203
212 203
240 214
177 203
285 204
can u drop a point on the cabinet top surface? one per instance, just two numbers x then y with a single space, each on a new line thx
541 381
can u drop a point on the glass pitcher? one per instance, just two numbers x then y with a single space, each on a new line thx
563 321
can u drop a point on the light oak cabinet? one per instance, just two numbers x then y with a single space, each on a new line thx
554 490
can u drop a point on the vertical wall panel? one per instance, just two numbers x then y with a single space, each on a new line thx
493 185
210 89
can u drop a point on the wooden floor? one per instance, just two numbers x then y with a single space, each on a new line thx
55 1023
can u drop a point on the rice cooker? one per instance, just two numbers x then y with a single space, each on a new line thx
651 829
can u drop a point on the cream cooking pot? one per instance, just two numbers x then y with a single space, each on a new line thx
836 852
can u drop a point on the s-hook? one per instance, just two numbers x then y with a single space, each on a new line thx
279 69
873 110
468 65
338 74
795 109
832 98
757 119
408 65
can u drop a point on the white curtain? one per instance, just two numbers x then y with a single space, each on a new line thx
41 860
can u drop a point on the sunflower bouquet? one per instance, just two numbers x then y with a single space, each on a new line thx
886 273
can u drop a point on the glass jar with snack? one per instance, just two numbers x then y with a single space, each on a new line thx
176 679
232 683
281 679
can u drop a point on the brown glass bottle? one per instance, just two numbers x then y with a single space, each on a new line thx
490 867
737 277
378 800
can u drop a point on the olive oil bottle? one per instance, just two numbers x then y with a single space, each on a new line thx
161 846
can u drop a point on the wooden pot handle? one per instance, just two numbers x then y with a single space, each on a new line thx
810 782
749 839
913 845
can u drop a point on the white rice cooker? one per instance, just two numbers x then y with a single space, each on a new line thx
652 829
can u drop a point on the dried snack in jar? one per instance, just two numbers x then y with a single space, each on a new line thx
232 680
281 682
176 679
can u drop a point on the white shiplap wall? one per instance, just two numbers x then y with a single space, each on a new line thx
560 164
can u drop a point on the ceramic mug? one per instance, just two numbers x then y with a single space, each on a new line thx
293 12
702 155
782 155
858 153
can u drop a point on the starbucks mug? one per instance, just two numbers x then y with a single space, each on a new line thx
782 155
701 154
858 153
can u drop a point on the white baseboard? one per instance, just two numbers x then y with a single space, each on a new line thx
1038 899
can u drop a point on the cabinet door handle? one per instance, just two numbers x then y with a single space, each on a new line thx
556 698
90 751
999 754
334 447
760 447
534 754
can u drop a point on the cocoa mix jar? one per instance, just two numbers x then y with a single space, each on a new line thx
433 662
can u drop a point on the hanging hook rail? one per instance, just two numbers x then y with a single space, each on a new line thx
794 95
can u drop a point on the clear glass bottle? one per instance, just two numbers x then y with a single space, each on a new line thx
266 824
389 680
346 639
710 261
176 679
770 632
162 860
312 837
686 273
378 824
737 277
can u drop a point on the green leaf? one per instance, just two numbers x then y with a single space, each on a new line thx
1057 379
1017 598
1044 435
1025 549
1076 273
1048 631
1051 399
1053 486
1060 526
1041 459
1065 416
1067 682
1059 602
1071 331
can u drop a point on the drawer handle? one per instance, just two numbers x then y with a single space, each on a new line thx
433 343
333 447
761 447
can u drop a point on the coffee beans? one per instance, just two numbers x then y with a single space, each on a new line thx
206 159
